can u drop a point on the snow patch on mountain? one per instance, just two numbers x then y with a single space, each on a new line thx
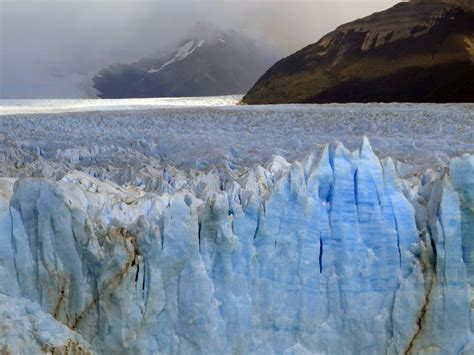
182 53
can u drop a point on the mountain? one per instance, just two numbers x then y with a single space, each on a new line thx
419 51
208 62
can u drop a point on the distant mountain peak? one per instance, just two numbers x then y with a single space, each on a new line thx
208 61
205 31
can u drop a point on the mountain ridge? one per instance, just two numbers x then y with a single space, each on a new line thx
208 62
425 50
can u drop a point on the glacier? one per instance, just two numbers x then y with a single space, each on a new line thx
335 253
196 225
48 138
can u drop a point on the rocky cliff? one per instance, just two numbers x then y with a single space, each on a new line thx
419 51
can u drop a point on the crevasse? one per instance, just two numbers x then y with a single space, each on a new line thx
335 254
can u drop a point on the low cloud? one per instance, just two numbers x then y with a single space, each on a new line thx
51 48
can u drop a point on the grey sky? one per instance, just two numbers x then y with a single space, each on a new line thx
51 48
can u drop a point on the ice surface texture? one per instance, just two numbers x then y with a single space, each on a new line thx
334 254
117 145
26 329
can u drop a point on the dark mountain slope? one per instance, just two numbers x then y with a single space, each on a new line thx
414 52
209 62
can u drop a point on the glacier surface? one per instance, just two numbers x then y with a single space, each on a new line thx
337 252
106 137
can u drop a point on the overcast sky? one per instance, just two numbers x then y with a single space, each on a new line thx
52 48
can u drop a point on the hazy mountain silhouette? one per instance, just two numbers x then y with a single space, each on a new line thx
208 62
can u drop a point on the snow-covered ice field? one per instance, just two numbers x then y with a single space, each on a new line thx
8 107
197 132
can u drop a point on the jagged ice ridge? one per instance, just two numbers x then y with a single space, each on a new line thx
333 254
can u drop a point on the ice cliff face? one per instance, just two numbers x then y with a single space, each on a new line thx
26 329
335 254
